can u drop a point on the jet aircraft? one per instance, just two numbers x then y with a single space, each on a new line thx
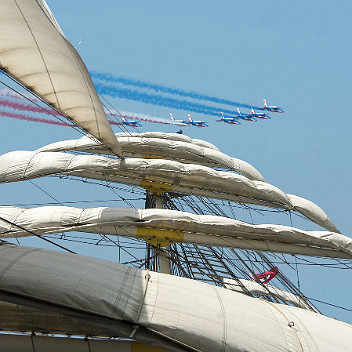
178 122
259 115
229 120
272 108
131 123
245 116
196 123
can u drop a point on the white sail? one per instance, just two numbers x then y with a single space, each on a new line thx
316 214
34 51
158 176
166 310
146 147
162 227
171 137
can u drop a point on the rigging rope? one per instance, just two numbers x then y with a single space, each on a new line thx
34 234
75 127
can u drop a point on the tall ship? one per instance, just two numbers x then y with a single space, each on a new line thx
190 275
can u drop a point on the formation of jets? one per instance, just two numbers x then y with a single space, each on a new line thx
235 120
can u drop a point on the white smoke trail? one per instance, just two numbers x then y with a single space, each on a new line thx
138 116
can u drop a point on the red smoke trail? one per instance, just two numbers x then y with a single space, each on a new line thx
32 119
116 123
27 107
37 109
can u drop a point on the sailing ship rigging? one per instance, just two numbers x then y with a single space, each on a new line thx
185 251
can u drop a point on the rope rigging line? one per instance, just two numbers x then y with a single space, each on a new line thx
49 195
132 189
121 127
34 234
298 281
73 202
330 304
75 127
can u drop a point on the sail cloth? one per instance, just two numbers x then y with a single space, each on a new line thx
145 147
158 176
171 137
86 144
305 206
34 51
166 308
162 227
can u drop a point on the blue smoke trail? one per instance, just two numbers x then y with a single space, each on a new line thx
159 100
163 89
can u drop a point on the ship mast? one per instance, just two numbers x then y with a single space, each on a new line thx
161 256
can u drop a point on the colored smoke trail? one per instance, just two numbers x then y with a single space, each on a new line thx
27 107
163 89
58 123
139 117
32 119
159 100
35 109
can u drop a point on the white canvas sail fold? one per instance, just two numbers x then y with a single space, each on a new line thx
171 137
305 206
34 51
145 147
192 313
162 227
165 174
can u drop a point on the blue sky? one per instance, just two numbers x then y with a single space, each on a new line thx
296 54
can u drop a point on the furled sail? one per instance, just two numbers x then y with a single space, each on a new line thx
162 310
145 147
148 173
171 137
34 51
305 206
158 176
162 227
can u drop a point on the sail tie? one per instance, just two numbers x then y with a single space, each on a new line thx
136 327
268 275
